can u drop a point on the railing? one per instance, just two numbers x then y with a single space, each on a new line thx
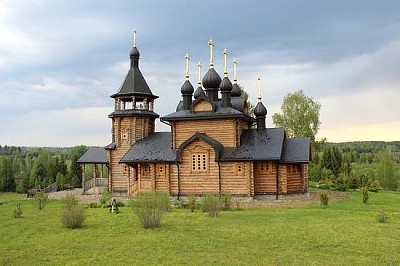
96 182
51 188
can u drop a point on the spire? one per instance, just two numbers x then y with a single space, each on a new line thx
134 54
260 111
211 44
236 90
259 88
134 38
199 70
225 66
187 58
234 71
187 88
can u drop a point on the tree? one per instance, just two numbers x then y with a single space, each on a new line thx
300 116
332 160
386 171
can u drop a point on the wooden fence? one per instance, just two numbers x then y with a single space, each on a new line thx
96 182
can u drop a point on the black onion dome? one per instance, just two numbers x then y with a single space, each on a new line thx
211 79
260 109
187 88
199 92
225 85
236 91
134 52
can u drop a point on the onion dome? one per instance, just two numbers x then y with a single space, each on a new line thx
211 79
236 91
187 88
134 52
225 85
199 92
260 109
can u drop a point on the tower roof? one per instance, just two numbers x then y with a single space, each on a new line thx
134 83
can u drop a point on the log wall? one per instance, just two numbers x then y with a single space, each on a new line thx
264 177
218 129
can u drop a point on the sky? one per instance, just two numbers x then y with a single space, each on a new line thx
61 60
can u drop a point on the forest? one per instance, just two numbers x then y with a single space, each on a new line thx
336 166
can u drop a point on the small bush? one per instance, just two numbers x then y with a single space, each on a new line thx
365 194
323 197
382 217
211 205
150 207
94 205
120 204
105 197
374 186
226 201
72 215
192 202
17 213
40 199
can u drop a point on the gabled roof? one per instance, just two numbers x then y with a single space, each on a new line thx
94 155
134 84
154 148
257 145
217 146
296 150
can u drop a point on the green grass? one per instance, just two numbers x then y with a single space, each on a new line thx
344 233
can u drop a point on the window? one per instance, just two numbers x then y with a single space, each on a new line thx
199 162
161 169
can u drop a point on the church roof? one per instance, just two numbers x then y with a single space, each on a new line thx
257 145
134 85
220 112
155 148
268 144
296 150
94 155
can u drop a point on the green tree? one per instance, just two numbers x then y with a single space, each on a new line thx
332 159
300 116
245 95
386 171
7 180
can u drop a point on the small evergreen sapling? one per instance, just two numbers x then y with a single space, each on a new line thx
365 194
323 196
17 213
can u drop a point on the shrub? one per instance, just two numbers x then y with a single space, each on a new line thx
40 199
341 183
365 194
226 201
192 202
211 205
150 207
94 205
105 197
374 186
17 213
72 215
323 196
382 217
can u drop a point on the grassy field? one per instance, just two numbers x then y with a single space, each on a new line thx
345 233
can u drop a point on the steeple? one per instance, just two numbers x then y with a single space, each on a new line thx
226 86
187 88
260 111
134 83
235 90
211 79
134 54
199 91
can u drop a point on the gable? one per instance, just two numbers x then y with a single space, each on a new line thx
203 106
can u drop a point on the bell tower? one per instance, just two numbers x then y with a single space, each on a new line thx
133 119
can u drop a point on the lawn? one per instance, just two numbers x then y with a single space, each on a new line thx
345 233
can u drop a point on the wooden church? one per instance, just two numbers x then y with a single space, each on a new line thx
214 145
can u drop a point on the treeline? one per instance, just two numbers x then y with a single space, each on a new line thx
22 168
351 165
